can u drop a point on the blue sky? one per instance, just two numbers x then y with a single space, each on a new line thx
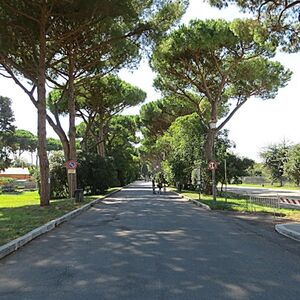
256 125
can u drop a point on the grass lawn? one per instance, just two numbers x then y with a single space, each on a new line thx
20 213
239 203
268 186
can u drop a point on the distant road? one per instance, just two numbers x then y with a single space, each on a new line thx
264 192
140 246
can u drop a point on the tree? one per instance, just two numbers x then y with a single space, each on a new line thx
236 168
97 101
63 40
24 140
182 145
121 146
275 157
155 119
217 66
24 53
258 169
121 152
292 165
157 116
281 17
7 130
53 145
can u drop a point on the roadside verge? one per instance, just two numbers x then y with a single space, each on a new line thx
196 202
15 244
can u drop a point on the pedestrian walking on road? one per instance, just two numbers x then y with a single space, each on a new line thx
153 186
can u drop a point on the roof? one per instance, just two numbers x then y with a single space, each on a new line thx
15 171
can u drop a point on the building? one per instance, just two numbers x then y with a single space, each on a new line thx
16 173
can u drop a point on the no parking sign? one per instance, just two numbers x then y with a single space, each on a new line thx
71 166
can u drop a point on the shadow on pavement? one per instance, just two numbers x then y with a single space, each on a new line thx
137 245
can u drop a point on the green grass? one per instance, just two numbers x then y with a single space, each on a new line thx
239 203
268 186
21 212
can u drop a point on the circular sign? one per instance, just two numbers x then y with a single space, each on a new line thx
212 165
71 164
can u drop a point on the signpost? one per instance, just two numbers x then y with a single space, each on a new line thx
198 175
212 165
225 170
71 165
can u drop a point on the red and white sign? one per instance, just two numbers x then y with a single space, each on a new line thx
71 164
289 201
212 165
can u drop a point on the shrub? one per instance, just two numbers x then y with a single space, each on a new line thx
95 174
58 175
6 181
7 185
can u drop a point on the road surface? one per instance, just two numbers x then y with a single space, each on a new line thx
136 245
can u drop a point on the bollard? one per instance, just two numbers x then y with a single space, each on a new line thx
78 194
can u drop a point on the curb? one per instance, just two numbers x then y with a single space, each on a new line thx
17 243
196 202
281 228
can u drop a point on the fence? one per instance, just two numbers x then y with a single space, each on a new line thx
273 203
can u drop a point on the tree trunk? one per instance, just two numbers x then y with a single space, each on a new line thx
209 145
209 178
72 178
101 142
41 105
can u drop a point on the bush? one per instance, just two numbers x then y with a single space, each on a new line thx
7 185
58 176
6 181
95 174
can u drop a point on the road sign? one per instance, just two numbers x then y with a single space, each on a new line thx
212 165
71 164
71 171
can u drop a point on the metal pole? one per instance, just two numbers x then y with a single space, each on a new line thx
199 185
225 168
71 185
214 184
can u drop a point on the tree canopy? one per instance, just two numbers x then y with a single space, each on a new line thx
217 66
60 41
275 156
24 140
281 18
157 116
97 100
292 166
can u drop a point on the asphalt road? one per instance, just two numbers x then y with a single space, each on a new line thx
137 245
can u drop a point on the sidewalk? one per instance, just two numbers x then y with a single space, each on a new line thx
291 230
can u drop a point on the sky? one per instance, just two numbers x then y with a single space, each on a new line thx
255 126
